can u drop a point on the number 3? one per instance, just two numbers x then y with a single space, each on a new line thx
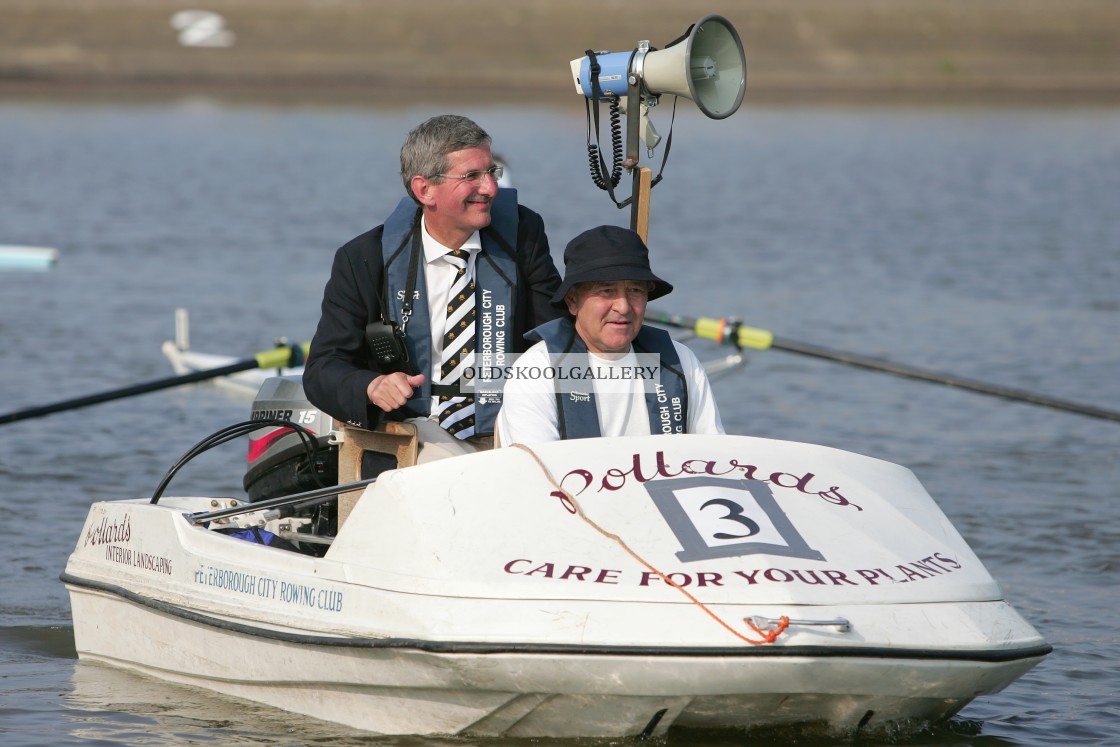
734 513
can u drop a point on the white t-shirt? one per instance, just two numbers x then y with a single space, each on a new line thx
528 414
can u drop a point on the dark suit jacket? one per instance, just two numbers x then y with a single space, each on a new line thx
339 367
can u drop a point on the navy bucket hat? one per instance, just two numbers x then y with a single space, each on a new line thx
606 253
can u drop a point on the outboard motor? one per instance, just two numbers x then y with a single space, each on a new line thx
280 461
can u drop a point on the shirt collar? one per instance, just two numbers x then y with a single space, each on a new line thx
434 251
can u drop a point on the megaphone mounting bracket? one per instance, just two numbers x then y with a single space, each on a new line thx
635 95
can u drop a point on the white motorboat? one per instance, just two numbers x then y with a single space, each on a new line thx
184 360
588 588
243 384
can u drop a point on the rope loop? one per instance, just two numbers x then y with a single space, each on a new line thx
770 634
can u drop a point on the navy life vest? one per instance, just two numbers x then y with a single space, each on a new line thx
495 272
578 416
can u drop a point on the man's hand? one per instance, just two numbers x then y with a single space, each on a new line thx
390 391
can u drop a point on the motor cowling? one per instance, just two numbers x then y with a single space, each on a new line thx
279 461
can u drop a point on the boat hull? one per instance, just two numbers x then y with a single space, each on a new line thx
434 612
392 687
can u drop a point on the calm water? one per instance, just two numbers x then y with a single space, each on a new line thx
979 242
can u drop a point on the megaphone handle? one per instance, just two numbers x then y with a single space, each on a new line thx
639 206
639 193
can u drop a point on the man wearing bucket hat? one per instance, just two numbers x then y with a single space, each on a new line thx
600 371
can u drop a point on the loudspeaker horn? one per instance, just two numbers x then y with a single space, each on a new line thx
707 65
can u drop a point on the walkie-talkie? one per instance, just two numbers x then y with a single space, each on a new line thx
386 345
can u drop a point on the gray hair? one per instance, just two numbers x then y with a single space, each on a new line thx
426 148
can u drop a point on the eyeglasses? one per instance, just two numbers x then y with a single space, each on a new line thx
475 177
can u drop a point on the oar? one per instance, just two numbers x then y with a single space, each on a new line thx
284 357
730 332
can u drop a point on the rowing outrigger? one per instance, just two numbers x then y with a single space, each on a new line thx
246 383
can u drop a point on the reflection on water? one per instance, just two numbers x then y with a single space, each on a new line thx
113 706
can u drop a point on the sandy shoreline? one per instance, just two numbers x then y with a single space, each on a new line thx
395 52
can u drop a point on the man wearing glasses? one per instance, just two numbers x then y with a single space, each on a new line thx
458 271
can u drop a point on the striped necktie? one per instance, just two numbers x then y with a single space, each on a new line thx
456 414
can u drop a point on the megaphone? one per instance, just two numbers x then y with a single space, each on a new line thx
707 66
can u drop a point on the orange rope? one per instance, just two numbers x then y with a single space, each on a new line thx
768 636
